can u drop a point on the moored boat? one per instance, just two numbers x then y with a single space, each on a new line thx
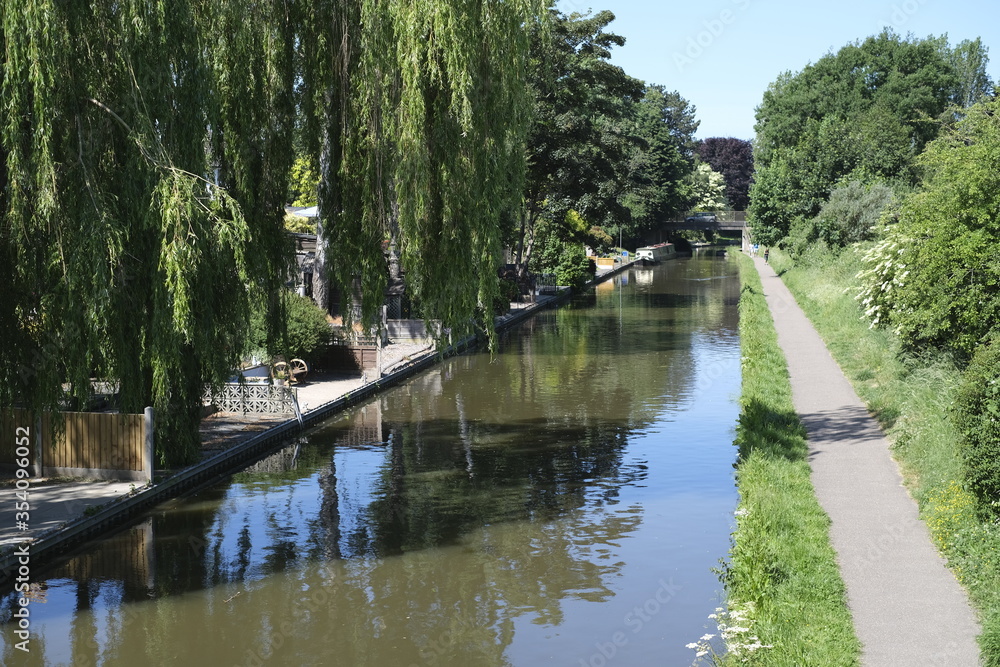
656 253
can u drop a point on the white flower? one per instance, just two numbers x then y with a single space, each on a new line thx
705 638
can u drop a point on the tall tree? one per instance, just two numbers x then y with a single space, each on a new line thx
405 98
708 189
969 60
733 158
863 113
659 187
145 158
127 259
582 138
934 278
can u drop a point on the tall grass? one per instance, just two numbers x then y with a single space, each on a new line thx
912 398
782 575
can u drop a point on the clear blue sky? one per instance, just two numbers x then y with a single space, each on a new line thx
722 54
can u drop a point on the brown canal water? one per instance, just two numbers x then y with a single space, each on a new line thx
563 503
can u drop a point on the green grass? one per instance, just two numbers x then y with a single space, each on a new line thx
782 569
912 398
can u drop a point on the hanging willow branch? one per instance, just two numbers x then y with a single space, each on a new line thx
128 263
424 108
119 261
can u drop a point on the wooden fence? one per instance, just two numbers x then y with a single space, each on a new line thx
85 444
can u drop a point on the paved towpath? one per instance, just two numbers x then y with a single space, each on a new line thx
908 608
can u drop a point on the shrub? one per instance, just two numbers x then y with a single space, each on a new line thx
299 224
562 254
853 212
936 279
977 417
574 267
802 235
509 292
308 330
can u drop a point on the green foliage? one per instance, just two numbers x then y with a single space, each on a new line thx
308 331
708 189
977 417
305 332
303 183
404 99
121 259
576 228
863 113
935 279
852 214
509 292
660 166
300 224
601 142
969 61
144 166
804 236
574 267
563 255
575 224
772 203
600 239
581 138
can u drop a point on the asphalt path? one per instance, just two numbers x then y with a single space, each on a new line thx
908 608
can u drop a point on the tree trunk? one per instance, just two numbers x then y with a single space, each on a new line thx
321 274
527 244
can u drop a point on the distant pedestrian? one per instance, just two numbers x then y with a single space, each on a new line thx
767 252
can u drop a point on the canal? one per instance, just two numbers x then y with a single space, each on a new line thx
563 502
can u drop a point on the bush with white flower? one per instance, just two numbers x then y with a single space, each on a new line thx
740 642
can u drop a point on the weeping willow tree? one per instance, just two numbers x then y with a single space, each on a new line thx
123 257
145 152
419 110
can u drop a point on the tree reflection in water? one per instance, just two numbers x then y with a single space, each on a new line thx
423 526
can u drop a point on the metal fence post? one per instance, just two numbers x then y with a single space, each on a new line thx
147 463
38 447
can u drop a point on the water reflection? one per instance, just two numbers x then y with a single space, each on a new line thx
492 511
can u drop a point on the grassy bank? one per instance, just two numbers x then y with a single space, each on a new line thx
912 398
782 580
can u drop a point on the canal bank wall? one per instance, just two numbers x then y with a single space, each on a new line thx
58 543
